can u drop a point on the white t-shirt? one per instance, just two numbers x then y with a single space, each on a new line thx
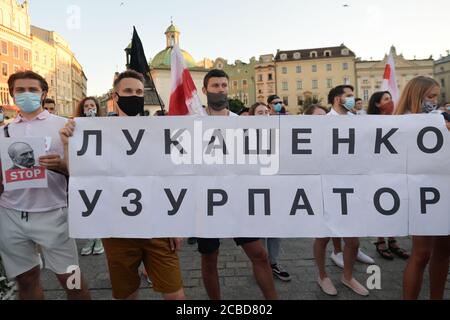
39 200
334 113
361 113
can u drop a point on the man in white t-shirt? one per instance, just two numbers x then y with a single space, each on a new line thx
31 217
342 100
359 107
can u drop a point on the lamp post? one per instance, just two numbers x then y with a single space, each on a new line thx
128 56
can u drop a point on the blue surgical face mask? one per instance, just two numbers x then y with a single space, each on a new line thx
448 108
349 103
28 102
429 107
2 117
278 107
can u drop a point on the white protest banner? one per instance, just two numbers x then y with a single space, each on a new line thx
344 145
429 205
20 163
375 205
258 177
429 148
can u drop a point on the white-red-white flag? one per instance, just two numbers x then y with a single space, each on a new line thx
390 79
184 99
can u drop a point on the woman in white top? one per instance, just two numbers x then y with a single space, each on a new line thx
421 95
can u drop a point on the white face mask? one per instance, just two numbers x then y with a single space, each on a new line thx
429 107
91 113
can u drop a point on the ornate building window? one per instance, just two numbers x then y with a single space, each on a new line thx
4 48
315 84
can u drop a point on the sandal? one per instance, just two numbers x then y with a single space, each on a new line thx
401 253
384 253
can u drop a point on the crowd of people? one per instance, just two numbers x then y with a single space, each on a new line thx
34 222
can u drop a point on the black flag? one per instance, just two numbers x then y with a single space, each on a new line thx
138 61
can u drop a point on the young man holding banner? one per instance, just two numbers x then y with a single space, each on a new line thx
125 256
38 216
215 87
342 100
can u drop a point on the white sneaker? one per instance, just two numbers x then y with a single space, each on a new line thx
364 258
88 248
98 248
338 259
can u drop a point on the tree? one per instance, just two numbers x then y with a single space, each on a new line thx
236 105
308 102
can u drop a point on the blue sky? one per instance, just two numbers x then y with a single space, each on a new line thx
240 29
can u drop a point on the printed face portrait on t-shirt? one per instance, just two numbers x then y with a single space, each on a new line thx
22 155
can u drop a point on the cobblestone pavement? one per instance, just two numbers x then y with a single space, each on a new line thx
237 282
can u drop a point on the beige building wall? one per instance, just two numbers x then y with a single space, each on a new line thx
242 79
370 73
70 81
442 75
77 84
15 16
84 83
312 73
44 63
206 63
64 97
15 46
265 78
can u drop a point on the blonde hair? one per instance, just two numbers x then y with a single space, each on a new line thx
413 95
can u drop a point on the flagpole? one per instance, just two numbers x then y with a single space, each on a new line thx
161 103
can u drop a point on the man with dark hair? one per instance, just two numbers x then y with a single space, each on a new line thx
128 94
124 256
276 105
345 102
359 107
342 100
216 89
31 217
27 75
50 106
215 73
244 111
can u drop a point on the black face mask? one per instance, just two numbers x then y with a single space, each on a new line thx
132 105
217 101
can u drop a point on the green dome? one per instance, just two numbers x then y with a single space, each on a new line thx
163 59
172 28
